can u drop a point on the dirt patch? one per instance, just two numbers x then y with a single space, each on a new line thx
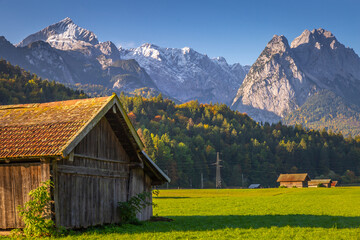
5 233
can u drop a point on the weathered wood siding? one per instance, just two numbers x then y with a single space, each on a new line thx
139 183
292 184
89 187
315 185
16 181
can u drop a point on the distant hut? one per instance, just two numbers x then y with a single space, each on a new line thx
254 185
334 183
320 183
299 180
87 147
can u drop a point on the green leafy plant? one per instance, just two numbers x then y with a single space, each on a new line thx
133 206
282 186
36 213
156 192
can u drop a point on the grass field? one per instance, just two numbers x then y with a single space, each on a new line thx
256 214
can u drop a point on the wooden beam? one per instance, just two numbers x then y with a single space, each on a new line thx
71 156
100 159
96 172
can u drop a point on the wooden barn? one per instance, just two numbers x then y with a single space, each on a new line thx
87 147
298 180
320 182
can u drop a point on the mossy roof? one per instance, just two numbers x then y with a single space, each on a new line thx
47 129
294 177
320 181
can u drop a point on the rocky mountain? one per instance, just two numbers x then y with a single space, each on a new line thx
69 54
186 74
284 77
325 109
64 35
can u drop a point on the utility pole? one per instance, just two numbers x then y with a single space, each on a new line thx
242 180
218 173
167 183
202 181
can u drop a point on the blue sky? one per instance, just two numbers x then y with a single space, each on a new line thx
236 30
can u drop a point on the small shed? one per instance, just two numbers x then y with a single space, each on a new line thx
334 183
87 147
320 182
299 180
254 185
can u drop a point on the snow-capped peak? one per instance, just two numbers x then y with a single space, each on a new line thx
186 50
63 35
67 20
186 74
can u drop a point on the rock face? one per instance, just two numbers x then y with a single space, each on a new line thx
186 74
64 35
71 54
67 53
283 77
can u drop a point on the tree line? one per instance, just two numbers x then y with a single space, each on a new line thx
19 86
184 139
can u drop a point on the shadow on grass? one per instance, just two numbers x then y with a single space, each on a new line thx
206 223
171 197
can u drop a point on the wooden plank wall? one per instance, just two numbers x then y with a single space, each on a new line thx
139 183
296 184
16 181
89 188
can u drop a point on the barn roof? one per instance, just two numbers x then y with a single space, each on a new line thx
55 128
33 130
254 185
294 177
320 181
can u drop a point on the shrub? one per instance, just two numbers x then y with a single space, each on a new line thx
36 213
134 205
282 186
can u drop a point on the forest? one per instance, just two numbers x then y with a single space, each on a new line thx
183 139
19 86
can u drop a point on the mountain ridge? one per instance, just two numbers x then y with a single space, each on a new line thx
187 74
283 77
182 74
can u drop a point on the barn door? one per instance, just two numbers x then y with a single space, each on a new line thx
16 181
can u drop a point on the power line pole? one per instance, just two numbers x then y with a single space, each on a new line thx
218 173
202 181
242 180
167 183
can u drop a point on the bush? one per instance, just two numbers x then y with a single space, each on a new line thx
129 209
282 186
36 213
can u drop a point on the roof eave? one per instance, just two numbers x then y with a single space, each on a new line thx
163 178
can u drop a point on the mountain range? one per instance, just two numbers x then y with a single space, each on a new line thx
186 74
71 54
315 72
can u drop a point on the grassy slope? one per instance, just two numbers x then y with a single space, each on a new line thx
256 214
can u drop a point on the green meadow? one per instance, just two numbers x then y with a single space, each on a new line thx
317 213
